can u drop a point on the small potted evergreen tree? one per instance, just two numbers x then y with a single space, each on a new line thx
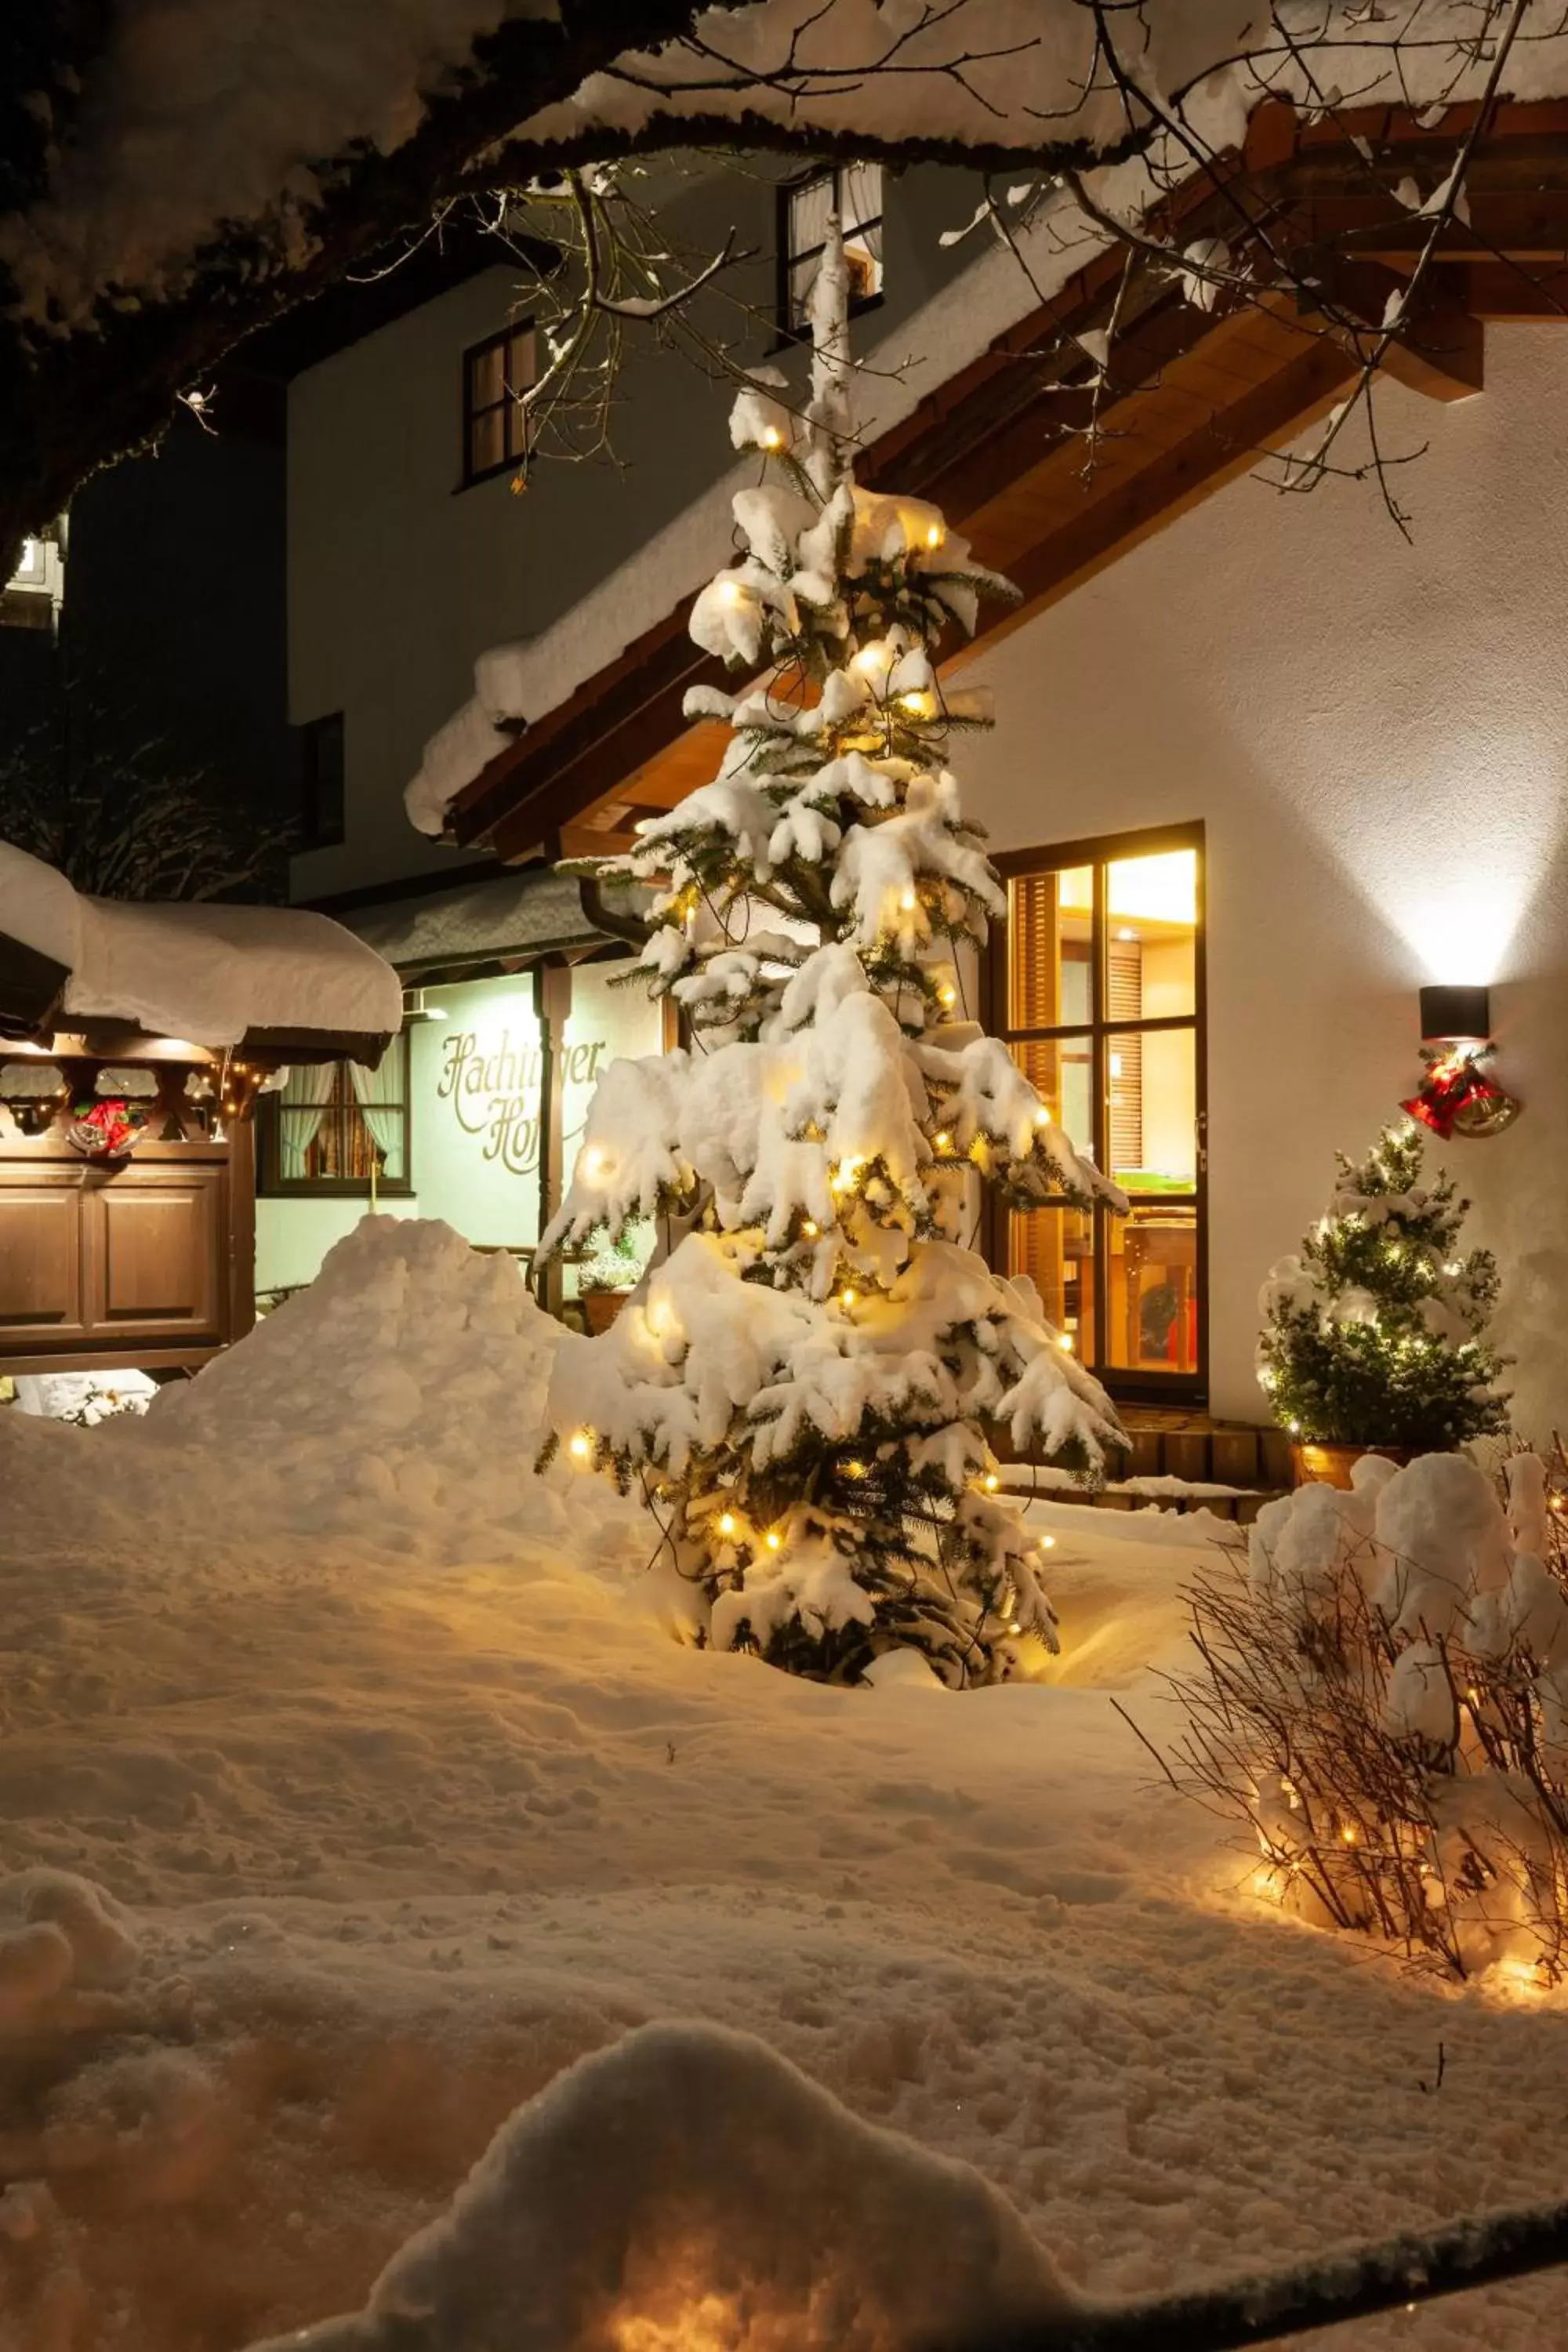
1374 1336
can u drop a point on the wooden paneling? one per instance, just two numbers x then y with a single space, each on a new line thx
149 1263
151 1242
40 1260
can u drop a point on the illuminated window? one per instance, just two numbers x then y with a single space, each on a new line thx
336 1127
496 374
1100 981
855 192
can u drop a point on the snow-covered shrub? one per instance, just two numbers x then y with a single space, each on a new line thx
802 1385
1375 1335
1381 1695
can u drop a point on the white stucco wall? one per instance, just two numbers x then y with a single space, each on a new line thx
398 577
1377 736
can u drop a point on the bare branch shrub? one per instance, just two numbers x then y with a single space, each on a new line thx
1380 1697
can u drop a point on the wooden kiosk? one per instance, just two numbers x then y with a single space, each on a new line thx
133 1043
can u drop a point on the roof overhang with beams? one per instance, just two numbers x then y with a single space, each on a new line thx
1196 398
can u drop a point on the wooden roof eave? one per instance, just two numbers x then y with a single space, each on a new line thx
120 1041
1203 396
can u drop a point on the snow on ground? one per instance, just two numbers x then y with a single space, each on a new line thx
385 1840
391 1411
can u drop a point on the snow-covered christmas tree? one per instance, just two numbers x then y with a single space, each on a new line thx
1375 1333
804 1380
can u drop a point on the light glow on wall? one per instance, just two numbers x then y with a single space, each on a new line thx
1460 920
1453 863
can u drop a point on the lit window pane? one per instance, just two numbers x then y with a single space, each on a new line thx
1061 1071
1152 1302
863 260
1051 930
391 1138
1055 1247
1151 924
1150 1083
487 441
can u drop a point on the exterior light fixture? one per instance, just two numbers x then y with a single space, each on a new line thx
1457 1097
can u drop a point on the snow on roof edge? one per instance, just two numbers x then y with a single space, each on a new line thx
524 680
199 970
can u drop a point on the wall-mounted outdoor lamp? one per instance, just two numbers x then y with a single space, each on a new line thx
1457 1097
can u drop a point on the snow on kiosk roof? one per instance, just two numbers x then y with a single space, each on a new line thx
271 980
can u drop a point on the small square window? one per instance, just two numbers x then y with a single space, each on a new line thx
338 1129
496 374
322 782
855 192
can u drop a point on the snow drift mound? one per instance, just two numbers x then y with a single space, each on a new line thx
690 2187
393 1408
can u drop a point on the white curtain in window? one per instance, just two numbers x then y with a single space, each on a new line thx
861 201
810 206
381 1102
299 1109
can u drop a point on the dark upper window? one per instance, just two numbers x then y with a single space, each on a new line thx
496 374
322 782
806 207
337 1129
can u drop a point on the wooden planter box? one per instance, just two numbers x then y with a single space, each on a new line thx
1330 1465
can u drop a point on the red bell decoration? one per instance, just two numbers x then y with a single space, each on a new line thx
107 1130
1457 1097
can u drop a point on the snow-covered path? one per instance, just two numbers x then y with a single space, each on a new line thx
398 1845
409 1802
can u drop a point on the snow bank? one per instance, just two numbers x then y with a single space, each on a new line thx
394 1406
688 2185
209 974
